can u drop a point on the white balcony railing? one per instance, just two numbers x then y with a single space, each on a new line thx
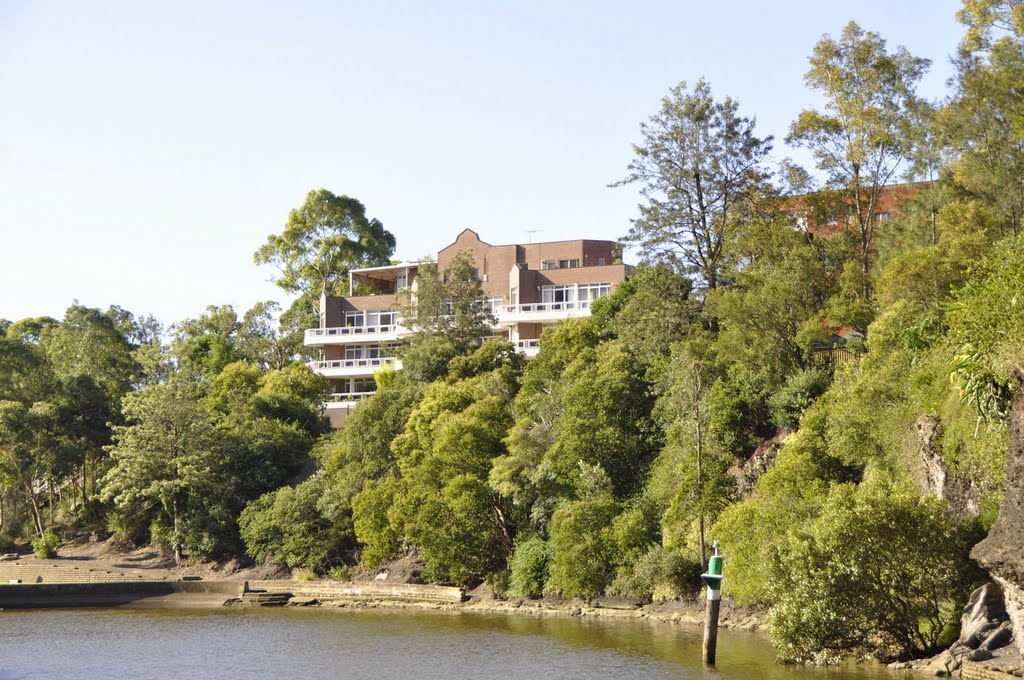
528 348
352 330
340 399
336 368
543 311
340 335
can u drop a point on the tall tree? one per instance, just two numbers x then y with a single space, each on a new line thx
983 123
865 131
169 452
698 165
324 238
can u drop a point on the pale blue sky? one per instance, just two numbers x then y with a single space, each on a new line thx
147 149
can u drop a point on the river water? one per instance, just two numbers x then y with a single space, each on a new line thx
319 644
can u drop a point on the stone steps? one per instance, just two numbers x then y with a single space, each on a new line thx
260 598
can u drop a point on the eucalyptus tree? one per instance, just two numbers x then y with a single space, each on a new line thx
323 239
865 130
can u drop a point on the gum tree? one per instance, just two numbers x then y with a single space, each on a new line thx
863 133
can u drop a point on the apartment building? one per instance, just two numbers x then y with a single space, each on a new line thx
530 287
823 215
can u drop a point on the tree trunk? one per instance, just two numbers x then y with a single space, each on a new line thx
37 516
700 488
177 530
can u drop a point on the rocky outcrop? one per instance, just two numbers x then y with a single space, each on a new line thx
984 629
747 472
934 478
1002 551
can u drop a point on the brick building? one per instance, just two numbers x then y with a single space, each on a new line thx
529 287
824 214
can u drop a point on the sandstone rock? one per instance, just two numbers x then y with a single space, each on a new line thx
980 655
302 601
985 611
934 478
1002 551
1000 637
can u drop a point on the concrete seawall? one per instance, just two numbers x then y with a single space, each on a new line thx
115 594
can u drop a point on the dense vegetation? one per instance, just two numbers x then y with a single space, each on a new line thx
705 399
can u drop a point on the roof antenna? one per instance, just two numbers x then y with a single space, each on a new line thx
531 232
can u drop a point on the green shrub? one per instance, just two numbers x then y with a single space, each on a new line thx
878 573
289 527
660 574
799 392
303 575
584 549
339 573
530 564
46 547
739 417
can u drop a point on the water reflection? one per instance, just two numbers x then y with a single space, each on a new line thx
319 644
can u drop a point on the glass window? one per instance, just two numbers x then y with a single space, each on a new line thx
558 294
568 264
600 262
363 385
592 291
513 296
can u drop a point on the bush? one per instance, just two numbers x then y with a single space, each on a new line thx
303 575
799 392
530 563
739 418
582 565
289 527
46 547
339 573
661 574
878 574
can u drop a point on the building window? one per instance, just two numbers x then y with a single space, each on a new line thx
591 291
568 264
883 216
600 262
558 294
513 297
401 282
547 264
370 319
364 385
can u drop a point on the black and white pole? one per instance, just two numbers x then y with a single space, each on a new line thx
713 580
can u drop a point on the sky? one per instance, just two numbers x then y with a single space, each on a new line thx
147 149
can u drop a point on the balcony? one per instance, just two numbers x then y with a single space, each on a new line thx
345 399
542 311
528 348
353 368
321 337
